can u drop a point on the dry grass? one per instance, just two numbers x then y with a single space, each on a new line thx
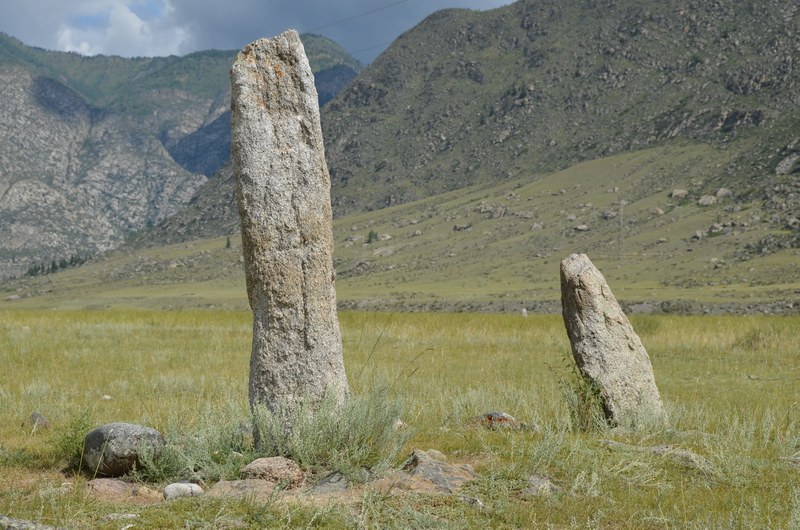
731 385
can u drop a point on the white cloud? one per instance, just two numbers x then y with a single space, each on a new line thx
121 32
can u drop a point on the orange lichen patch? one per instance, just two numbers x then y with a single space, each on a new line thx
278 70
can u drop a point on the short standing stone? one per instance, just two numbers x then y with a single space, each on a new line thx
607 351
179 490
275 469
283 192
115 449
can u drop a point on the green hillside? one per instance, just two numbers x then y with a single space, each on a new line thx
495 248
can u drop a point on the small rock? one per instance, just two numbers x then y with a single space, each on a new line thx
581 228
114 449
707 200
115 490
539 486
106 398
472 501
398 424
723 193
275 469
658 211
679 194
336 482
416 233
535 227
13 298
251 488
38 421
182 489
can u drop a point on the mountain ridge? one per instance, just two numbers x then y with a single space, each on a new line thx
96 148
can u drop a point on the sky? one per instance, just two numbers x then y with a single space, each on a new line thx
133 28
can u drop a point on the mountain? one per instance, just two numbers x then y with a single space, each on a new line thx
480 98
469 97
93 149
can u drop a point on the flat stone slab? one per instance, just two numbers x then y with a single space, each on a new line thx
250 488
425 474
118 491
677 455
7 523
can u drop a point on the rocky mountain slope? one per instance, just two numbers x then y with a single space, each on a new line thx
470 98
93 149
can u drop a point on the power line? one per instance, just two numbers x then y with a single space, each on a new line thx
359 15
371 47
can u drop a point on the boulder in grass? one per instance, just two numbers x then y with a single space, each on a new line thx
116 448
275 469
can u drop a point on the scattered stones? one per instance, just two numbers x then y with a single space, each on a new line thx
500 420
116 490
114 449
275 469
679 194
336 482
38 422
179 490
7 523
707 200
681 457
605 347
424 473
283 192
540 486
251 488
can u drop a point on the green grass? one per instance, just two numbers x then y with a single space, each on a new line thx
731 387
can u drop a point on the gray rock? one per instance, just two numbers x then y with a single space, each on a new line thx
114 449
179 490
423 473
724 193
607 351
38 421
275 469
539 486
707 200
336 482
679 194
283 192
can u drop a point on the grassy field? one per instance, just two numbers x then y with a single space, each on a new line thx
731 385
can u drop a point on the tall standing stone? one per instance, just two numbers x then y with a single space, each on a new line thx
607 351
283 191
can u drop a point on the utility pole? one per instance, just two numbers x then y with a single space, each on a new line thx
621 228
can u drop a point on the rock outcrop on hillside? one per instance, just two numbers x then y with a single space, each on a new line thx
95 149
